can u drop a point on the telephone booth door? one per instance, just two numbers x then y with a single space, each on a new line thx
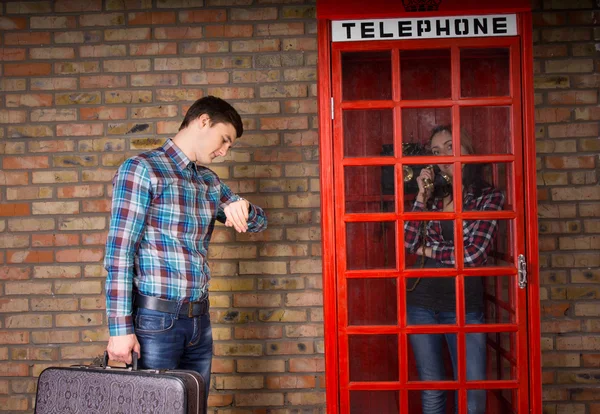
449 330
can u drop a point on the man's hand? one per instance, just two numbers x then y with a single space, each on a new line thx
237 215
119 348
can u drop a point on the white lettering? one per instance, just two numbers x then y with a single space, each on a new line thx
424 28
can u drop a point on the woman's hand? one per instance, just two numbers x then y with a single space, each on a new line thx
425 193
424 251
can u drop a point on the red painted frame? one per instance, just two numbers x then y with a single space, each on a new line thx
527 216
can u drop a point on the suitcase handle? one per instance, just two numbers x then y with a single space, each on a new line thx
134 361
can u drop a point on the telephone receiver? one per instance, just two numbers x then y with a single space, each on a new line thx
440 178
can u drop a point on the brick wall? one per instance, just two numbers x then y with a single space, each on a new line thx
567 63
86 84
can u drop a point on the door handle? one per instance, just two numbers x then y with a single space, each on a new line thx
522 265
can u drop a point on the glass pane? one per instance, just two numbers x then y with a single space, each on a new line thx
372 302
369 189
368 133
425 74
488 243
439 182
429 357
485 243
443 399
371 245
428 295
366 75
502 401
501 358
484 72
487 186
417 125
497 302
485 130
373 357
429 232
370 402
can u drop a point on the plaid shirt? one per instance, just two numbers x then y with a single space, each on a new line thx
477 234
164 209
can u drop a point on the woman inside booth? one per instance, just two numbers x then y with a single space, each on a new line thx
431 300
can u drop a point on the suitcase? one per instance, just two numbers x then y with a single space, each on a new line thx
93 389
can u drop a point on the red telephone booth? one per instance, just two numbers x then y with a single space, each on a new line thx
389 74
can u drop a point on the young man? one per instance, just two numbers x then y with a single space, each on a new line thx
164 207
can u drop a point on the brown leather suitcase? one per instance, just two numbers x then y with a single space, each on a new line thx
103 389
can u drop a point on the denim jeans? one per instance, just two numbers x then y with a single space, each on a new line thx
169 341
429 359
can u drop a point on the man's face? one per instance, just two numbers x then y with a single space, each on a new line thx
213 141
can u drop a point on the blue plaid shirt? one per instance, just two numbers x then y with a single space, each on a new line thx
164 209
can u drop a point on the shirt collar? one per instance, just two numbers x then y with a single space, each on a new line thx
178 157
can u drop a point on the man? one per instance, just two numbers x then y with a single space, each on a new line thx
164 207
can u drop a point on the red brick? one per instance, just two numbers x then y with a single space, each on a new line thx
29 69
79 255
203 16
96 206
232 31
12 23
49 240
25 163
15 273
14 210
11 369
27 38
8 54
81 191
29 256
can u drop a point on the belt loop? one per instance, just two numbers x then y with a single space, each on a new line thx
178 308
190 309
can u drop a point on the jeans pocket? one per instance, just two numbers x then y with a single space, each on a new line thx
157 322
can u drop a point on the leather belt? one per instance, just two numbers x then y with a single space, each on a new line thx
191 309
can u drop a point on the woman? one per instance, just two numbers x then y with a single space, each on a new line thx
432 301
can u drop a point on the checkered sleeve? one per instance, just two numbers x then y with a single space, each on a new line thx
477 241
411 230
257 220
130 202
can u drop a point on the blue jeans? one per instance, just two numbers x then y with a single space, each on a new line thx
169 341
429 359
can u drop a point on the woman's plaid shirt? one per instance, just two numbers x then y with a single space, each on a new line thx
164 209
478 235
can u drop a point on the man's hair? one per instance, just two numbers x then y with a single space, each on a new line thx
218 110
